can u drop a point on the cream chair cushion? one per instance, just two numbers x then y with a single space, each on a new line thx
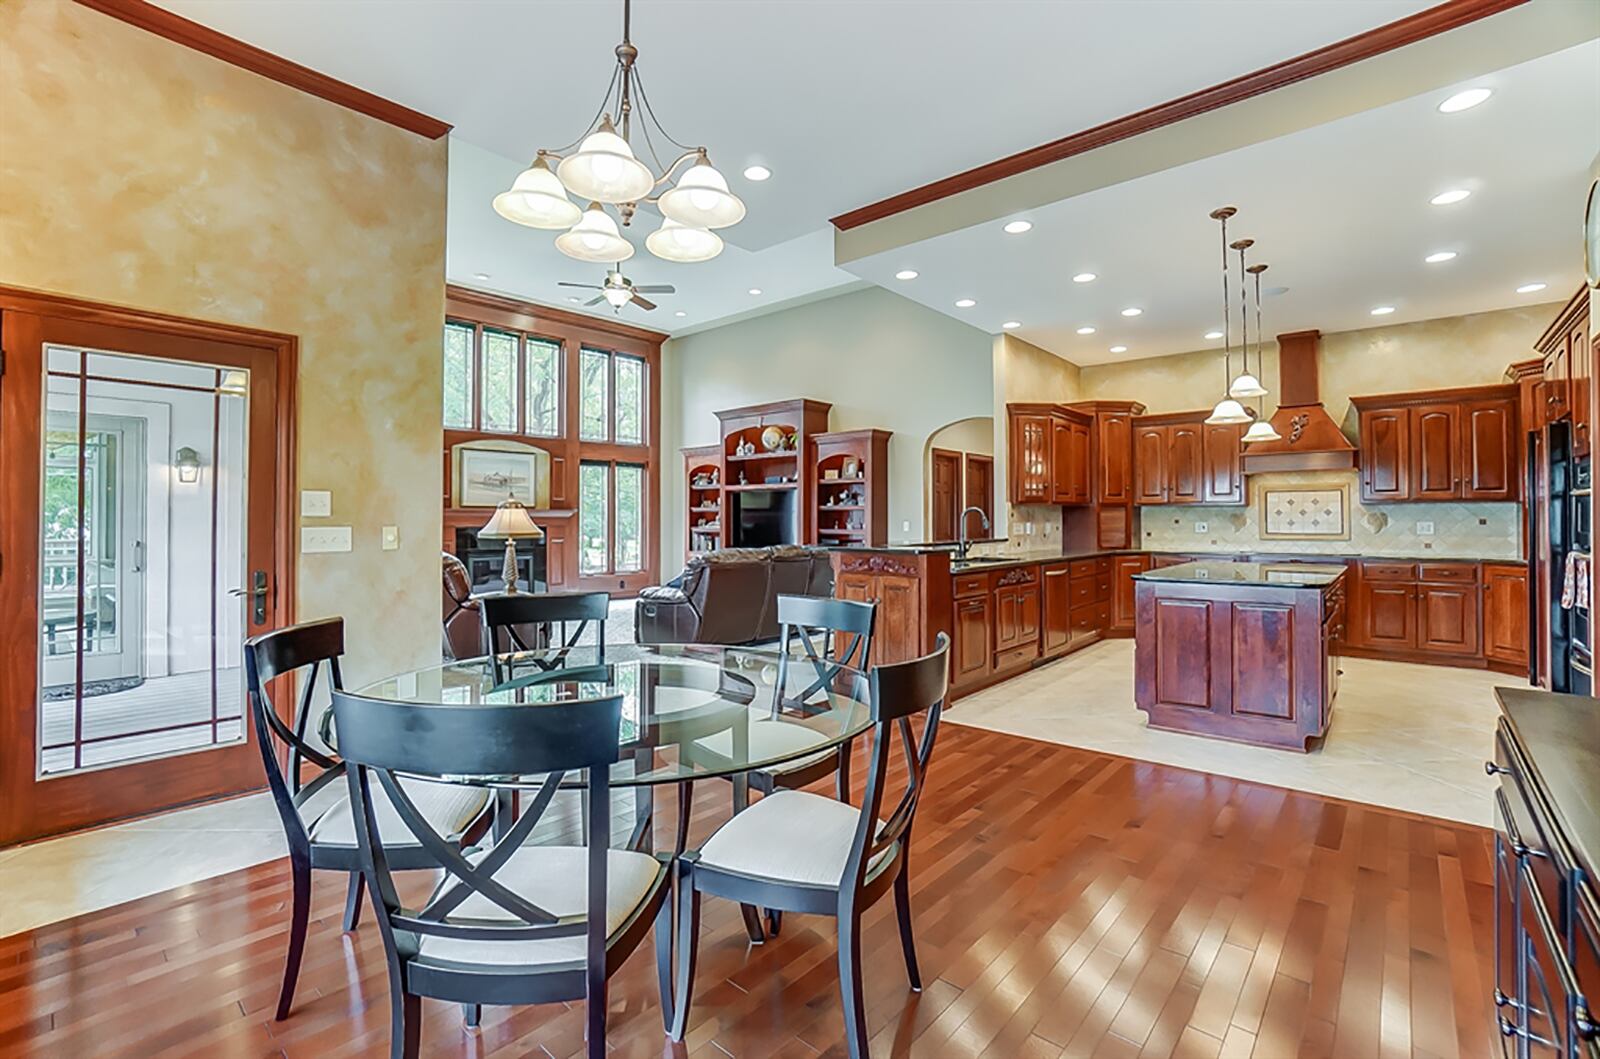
447 807
556 879
790 836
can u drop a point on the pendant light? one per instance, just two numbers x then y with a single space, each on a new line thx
702 199
681 242
537 199
1262 429
1246 385
1228 410
595 238
604 168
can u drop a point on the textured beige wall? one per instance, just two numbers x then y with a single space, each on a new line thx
1025 372
139 172
880 359
974 435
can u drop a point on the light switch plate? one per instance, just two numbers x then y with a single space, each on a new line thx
1424 529
315 503
905 527
1202 527
315 539
391 538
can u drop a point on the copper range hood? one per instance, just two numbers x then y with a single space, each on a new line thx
1309 439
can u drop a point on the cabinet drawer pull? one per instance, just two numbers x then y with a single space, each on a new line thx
1582 1021
1522 850
1494 768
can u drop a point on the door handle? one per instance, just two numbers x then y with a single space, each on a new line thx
257 592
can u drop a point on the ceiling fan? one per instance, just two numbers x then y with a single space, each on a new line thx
619 290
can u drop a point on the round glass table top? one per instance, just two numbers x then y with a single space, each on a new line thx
688 711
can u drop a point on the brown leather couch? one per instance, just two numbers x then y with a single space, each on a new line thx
730 596
463 619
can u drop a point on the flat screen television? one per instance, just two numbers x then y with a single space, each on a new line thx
764 516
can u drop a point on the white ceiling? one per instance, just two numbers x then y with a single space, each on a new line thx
847 101
1339 211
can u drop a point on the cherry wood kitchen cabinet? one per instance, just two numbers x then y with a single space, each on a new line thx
1056 634
1150 464
1180 459
912 590
1113 446
1447 618
1123 567
1222 463
1050 454
1505 616
1436 445
1568 369
1419 611
1016 617
1030 457
1070 481
1183 463
973 630
1388 615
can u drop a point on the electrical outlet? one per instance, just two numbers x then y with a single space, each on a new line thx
1202 527
315 539
1424 529
315 503
391 538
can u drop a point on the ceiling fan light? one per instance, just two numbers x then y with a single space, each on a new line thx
1261 430
1228 411
1246 386
701 199
617 297
537 200
604 168
595 238
681 242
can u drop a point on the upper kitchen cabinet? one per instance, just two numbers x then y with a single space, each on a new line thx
1568 368
1181 459
1439 445
1051 458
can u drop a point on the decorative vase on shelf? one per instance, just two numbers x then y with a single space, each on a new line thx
772 439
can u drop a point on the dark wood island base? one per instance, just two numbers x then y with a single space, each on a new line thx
1239 651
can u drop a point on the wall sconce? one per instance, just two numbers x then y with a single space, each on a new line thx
188 465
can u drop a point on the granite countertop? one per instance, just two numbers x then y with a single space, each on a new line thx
1561 736
1033 556
1271 575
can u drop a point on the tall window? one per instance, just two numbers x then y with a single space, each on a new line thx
610 517
458 376
630 399
628 552
594 501
594 395
611 397
543 415
501 381
499 370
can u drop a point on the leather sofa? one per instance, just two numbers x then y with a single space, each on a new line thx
463 618
731 596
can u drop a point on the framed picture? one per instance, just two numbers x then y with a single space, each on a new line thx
1306 514
487 472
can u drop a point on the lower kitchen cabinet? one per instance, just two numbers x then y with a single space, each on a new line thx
1447 618
1123 567
1505 614
972 646
1056 636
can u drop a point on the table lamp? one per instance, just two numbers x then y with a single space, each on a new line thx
510 520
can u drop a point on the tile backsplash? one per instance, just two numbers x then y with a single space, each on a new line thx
1460 530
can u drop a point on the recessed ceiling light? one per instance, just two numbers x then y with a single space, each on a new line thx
1465 100
1084 277
1530 288
1451 197
965 303
1132 311
574 298
1085 330
755 292
680 312
1213 334
757 172
1440 256
906 273
1017 227
480 275
1010 325
1382 310
1119 349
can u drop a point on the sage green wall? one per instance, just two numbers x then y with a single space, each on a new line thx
880 359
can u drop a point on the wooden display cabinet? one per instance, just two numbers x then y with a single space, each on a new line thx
1051 454
751 462
851 508
702 474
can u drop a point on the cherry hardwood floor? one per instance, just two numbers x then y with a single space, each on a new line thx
1067 903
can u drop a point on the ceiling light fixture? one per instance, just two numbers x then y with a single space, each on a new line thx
1246 385
965 303
1017 227
1132 311
1118 349
604 171
1451 197
1382 310
757 172
755 292
1212 335
1439 257
480 275
1010 325
1530 288
1465 100
1084 277
680 312
1085 330
906 273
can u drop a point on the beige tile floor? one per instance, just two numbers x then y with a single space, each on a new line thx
1403 736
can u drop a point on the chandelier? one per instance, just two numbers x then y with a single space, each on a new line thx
1246 385
604 171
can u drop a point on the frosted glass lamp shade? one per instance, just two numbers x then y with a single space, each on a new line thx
595 238
702 200
1228 411
617 297
604 169
1261 430
511 521
680 242
1245 387
538 200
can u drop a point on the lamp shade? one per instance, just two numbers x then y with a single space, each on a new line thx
595 238
702 199
1245 387
604 168
680 242
1261 430
1228 411
538 200
510 520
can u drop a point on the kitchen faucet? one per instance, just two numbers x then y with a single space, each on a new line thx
963 543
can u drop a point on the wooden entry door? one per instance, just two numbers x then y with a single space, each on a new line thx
945 494
143 472
979 476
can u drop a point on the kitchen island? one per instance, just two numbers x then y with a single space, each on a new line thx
1240 651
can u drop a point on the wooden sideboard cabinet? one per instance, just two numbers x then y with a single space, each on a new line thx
1440 445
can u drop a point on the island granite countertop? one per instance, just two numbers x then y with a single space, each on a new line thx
1272 575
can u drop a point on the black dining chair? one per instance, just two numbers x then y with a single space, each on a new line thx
318 822
509 922
801 852
541 622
